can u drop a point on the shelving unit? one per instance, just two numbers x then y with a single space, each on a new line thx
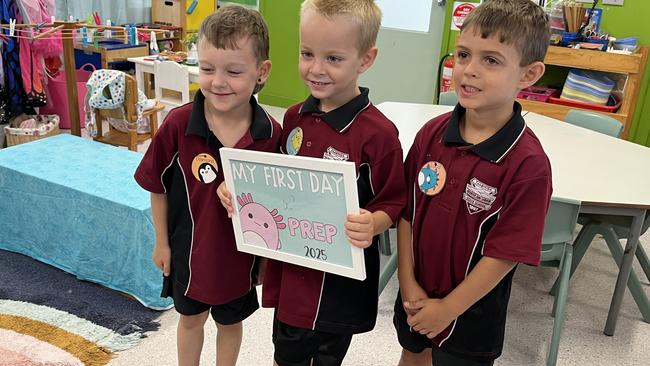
174 13
630 65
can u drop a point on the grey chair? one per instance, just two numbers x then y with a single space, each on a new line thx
557 251
612 228
594 121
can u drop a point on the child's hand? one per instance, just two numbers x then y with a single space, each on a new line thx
226 198
411 293
360 229
432 316
161 256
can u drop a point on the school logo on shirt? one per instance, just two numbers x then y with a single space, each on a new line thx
333 154
204 168
432 178
294 141
479 196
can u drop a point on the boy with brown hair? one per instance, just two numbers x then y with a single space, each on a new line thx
479 185
317 313
195 245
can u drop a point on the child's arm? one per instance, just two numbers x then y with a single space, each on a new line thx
361 228
161 252
409 288
434 315
226 198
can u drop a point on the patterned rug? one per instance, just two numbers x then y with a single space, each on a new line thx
50 318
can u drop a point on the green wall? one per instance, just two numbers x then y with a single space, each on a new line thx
284 87
620 21
628 20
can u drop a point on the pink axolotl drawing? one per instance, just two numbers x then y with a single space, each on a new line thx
259 225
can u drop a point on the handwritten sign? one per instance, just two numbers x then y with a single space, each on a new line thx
293 209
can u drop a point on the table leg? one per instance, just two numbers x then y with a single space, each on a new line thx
624 273
139 76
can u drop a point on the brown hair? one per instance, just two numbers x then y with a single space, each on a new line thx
231 23
365 12
519 22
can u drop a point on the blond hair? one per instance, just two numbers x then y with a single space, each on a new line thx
521 23
231 23
365 12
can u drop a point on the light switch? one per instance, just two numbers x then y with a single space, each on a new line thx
613 2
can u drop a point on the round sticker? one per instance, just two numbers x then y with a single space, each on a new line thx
294 141
431 178
204 168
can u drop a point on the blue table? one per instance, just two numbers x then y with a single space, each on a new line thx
72 203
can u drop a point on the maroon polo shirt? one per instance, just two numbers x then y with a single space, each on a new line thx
360 133
469 201
183 161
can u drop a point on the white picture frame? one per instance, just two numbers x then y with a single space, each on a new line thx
293 209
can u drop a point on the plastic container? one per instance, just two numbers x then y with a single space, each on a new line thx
596 107
569 37
57 96
537 93
587 87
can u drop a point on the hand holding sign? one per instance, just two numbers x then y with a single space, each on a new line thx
299 210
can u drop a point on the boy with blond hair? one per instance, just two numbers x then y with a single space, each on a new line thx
317 313
479 185
195 245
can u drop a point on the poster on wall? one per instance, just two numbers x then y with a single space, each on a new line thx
293 209
460 12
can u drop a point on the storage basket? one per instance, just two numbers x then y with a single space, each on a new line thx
47 125
57 92
536 93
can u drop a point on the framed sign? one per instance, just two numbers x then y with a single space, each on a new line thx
293 209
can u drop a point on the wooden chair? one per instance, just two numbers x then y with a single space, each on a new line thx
131 139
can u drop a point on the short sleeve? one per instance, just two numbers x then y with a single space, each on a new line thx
158 158
517 233
388 185
410 175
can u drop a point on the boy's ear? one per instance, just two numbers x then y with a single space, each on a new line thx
263 71
531 74
367 60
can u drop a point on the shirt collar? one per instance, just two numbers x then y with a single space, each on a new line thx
495 148
342 117
261 125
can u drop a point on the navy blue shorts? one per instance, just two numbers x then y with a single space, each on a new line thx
229 313
415 342
298 346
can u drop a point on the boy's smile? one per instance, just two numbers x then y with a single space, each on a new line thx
330 61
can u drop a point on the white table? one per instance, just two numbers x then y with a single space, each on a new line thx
608 175
145 65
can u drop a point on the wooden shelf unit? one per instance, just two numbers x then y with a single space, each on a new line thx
630 65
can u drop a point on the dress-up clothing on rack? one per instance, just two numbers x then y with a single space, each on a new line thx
34 52
13 80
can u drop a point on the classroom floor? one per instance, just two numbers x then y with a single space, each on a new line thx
527 335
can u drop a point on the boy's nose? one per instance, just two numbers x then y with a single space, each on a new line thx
218 81
470 69
317 67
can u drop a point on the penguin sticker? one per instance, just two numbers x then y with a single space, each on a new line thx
205 168
294 141
432 178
